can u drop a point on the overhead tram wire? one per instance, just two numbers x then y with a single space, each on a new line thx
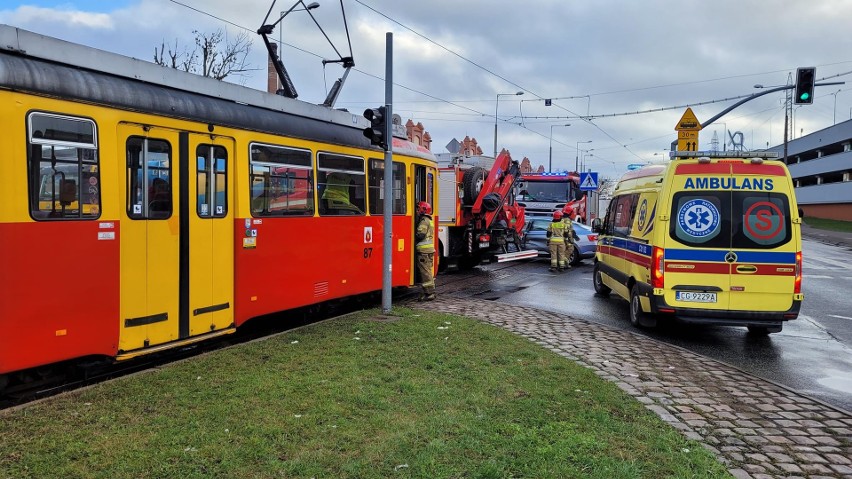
321 57
587 118
403 86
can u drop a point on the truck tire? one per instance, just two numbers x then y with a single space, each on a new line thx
472 182
468 262
491 202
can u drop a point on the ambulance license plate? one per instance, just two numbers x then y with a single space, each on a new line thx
695 297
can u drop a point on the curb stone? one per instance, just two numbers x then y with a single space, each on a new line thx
757 428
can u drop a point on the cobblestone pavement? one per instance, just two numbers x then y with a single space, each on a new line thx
757 428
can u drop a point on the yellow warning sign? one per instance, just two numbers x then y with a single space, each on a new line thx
688 122
687 140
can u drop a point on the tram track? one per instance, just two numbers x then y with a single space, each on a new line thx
73 376
77 375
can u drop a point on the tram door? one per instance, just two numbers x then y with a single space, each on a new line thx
424 190
176 236
211 233
149 236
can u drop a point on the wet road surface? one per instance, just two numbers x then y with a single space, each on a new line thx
812 355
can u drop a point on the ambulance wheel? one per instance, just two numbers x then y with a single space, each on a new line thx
764 330
600 287
637 317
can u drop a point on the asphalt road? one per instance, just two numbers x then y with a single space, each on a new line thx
812 355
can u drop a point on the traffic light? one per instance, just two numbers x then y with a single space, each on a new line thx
376 131
805 86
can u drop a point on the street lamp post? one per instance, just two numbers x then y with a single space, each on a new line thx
835 106
583 158
550 156
496 104
577 158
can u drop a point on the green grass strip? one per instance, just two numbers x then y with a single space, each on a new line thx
831 225
427 396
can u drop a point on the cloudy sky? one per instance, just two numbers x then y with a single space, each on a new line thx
620 72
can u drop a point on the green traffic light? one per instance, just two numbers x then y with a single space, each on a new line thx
804 96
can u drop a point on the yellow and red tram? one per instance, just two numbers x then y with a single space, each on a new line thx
143 208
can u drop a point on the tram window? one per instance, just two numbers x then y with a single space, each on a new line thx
64 170
212 181
430 188
341 184
149 188
281 181
377 187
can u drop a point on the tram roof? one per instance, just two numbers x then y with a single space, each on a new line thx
24 42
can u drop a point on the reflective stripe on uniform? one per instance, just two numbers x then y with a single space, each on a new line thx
426 228
557 232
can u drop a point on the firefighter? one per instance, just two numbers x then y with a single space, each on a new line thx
569 245
425 238
336 195
556 237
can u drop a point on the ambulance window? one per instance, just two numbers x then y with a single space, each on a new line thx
761 220
625 208
701 220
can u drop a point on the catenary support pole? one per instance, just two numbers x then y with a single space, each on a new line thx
387 243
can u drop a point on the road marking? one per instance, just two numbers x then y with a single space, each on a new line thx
832 262
841 317
818 276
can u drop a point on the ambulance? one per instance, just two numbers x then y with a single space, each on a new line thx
708 238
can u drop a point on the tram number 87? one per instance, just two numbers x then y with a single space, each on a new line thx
368 252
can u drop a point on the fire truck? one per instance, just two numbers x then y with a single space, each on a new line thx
478 218
543 193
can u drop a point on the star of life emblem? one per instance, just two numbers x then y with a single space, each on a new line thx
698 218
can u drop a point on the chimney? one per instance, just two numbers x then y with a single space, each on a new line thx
272 85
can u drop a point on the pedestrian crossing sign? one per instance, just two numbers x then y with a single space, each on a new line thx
589 181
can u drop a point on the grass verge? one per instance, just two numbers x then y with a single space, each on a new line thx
427 396
831 225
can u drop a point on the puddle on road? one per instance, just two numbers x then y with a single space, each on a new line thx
837 380
494 294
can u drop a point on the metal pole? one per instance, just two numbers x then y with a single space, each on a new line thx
577 159
496 103
387 217
788 107
550 154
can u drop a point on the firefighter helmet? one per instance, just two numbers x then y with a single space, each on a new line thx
557 215
424 208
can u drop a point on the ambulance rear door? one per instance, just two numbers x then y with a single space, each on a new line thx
763 243
698 243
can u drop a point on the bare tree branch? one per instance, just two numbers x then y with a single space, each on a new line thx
214 55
